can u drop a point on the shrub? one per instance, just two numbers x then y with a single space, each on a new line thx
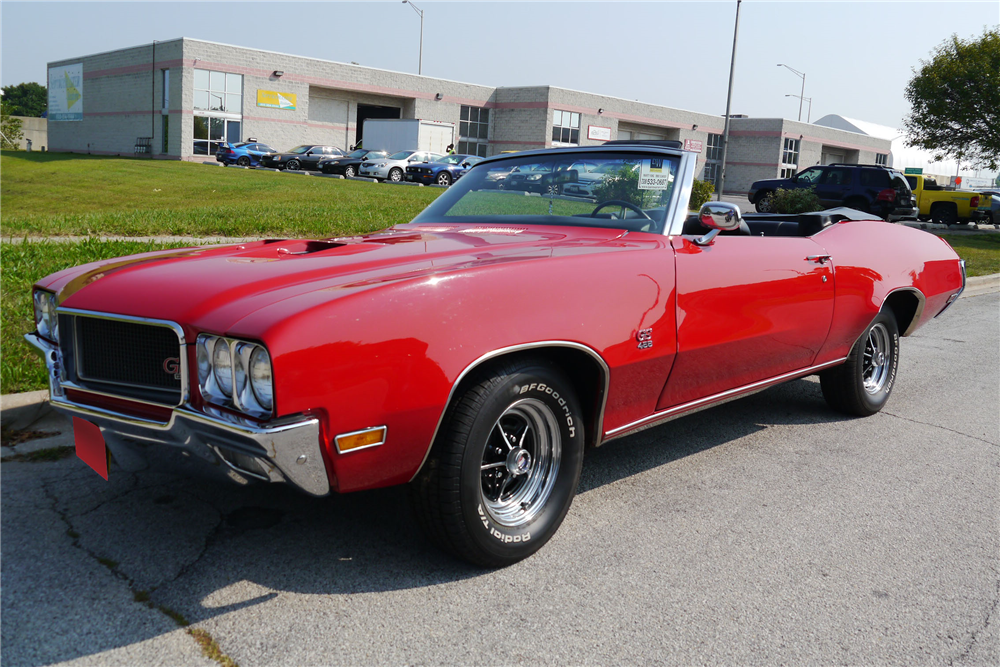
800 200
701 192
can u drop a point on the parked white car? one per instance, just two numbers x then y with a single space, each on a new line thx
393 168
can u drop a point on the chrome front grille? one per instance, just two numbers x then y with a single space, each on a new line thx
128 358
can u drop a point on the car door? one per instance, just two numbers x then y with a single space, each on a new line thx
749 308
834 185
312 157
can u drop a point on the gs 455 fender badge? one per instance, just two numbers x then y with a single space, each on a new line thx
645 338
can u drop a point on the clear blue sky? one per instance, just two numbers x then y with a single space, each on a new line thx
857 56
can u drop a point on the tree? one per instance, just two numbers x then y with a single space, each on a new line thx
26 99
10 128
955 101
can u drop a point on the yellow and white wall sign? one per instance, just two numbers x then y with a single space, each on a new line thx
275 100
66 92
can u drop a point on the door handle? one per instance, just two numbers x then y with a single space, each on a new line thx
819 259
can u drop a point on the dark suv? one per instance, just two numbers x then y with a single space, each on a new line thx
871 188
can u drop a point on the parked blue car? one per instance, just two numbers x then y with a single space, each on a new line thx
445 171
244 153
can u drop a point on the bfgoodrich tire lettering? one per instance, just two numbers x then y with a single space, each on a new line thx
861 386
503 472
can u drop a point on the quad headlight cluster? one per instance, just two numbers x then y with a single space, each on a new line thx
46 318
235 373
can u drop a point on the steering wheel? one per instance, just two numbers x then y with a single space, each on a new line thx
623 204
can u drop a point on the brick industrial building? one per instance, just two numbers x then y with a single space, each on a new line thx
184 96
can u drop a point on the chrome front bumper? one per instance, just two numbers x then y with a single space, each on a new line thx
285 450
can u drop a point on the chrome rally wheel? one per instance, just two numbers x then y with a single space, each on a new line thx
875 361
520 462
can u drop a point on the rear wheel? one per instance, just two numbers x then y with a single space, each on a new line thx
395 174
502 473
243 161
861 386
944 214
294 165
349 171
764 202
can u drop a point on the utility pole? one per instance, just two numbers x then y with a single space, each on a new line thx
729 100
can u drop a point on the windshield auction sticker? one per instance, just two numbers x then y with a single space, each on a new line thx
654 174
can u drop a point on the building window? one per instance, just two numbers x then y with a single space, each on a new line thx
474 131
165 93
882 159
565 128
713 158
218 91
218 106
165 131
789 158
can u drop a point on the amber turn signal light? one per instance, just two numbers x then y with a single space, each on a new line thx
369 437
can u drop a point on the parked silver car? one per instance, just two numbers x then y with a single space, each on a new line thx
393 168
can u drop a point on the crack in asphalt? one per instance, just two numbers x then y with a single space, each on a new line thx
76 536
974 636
943 428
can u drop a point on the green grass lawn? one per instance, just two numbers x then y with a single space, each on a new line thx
981 252
58 194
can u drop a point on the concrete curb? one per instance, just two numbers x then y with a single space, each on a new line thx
22 410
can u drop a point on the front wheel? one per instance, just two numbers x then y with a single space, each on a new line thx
502 474
349 171
243 161
444 178
861 386
395 174
294 165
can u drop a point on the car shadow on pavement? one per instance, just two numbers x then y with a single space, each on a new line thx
202 550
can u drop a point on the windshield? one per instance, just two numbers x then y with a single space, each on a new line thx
299 149
451 159
401 155
623 190
361 152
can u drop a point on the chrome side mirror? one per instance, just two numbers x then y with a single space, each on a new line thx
718 216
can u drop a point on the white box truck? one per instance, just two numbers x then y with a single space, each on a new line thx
407 134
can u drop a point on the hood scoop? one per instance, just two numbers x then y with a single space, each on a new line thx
308 247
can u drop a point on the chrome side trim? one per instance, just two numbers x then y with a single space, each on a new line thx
185 375
921 301
710 401
518 348
385 436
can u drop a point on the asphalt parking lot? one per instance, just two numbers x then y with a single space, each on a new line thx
765 531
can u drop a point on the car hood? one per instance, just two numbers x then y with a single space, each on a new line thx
211 288
771 184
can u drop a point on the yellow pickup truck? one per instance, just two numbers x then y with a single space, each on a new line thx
947 207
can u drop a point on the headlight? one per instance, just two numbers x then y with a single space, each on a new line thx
222 363
534 177
235 374
260 377
382 164
46 319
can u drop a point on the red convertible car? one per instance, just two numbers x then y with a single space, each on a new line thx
476 352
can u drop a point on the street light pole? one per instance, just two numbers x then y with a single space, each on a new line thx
810 101
803 94
420 12
729 100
